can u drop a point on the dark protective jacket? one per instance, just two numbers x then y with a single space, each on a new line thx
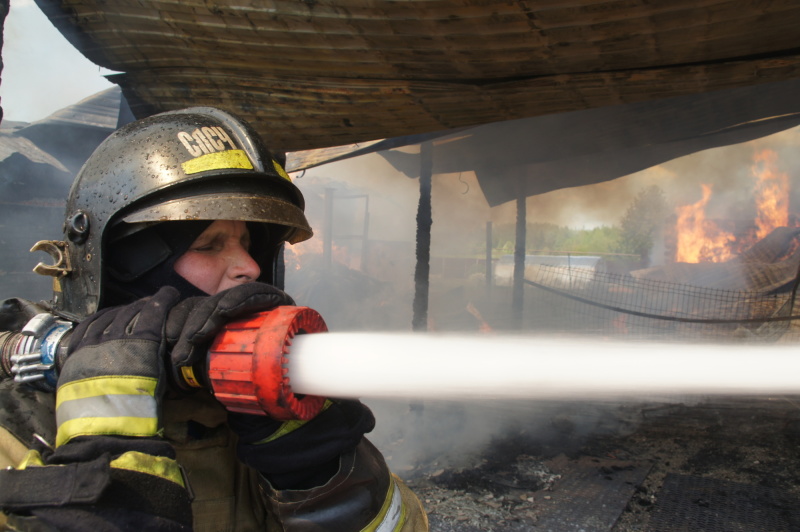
225 494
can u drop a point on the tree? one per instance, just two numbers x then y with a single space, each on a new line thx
643 221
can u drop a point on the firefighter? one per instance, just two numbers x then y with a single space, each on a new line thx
174 227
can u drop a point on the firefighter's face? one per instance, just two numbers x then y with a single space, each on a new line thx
218 259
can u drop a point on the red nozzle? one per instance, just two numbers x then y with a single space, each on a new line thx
247 364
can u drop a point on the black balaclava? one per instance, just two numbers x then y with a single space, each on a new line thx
140 263
140 260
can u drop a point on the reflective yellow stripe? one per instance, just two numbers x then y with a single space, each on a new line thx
121 405
392 515
97 426
285 428
106 385
188 376
32 458
108 406
158 466
290 426
281 171
217 161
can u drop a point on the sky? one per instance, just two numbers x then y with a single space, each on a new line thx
42 71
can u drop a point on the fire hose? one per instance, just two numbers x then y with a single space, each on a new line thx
246 366
249 365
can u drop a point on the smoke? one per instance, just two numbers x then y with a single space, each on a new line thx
729 172
460 215
426 435
22 225
727 169
460 211
31 209
392 196
379 296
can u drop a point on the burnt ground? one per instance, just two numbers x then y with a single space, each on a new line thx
719 464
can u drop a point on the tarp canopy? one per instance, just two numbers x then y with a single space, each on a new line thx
539 95
325 73
536 155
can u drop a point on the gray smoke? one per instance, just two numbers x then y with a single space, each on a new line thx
379 296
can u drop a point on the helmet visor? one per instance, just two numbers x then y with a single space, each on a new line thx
228 205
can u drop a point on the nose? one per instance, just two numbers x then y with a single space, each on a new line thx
241 265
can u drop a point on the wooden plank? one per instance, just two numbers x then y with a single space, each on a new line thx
346 71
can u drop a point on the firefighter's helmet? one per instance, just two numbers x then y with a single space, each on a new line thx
199 163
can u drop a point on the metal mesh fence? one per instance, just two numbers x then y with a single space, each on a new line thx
584 300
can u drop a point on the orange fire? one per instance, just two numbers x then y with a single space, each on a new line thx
772 194
703 240
293 255
296 255
699 239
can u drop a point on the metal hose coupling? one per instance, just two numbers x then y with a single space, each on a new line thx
34 354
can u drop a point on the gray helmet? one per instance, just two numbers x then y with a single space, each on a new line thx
199 163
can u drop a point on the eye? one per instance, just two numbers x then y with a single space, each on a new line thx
212 245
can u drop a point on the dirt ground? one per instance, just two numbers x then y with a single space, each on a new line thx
612 477
747 441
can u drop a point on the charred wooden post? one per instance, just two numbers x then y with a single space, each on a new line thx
327 231
517 298
488 255
424 223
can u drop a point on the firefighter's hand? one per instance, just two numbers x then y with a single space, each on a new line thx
112 382
109 470
195 322
301 454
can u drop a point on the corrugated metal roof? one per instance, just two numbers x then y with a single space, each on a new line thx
100 110
52 149
11 144
322 73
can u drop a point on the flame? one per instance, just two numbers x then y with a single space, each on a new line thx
297 255
293 255
483 326
699 239
771 193
702 240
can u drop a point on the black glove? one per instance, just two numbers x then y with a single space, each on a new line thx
110 470
194 322
292 454
301 454
112 382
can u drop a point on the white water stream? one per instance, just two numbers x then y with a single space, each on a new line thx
444 366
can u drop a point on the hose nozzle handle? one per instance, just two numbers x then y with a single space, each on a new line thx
247 364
